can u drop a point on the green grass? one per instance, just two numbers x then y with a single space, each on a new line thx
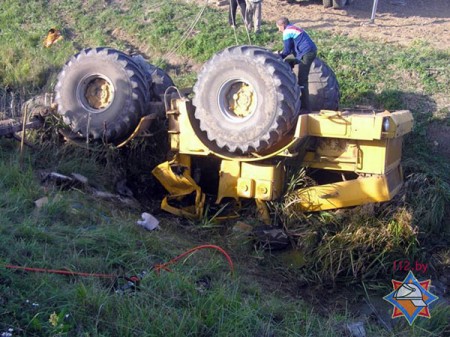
82 233
77 232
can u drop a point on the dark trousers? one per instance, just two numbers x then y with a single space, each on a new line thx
232 11
303 73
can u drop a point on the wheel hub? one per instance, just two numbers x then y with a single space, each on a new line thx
241 100
99 93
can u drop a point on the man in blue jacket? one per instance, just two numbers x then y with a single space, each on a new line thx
297 42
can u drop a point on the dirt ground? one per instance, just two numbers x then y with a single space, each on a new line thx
396 21
399 22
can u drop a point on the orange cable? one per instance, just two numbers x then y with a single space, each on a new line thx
163 266
157 267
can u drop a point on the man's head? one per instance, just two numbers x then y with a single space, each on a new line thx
282 23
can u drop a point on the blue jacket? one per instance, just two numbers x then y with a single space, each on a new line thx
296 41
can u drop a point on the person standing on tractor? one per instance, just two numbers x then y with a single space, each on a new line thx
297 42
232 12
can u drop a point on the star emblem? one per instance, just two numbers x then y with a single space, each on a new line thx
411 298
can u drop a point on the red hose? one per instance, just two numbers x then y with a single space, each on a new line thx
61 272
156 267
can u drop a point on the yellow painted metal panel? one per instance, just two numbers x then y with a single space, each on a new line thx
360 191
269 179
228 179
179 184
246 188
175 184
393 153
362 126
400 123
189 142
360 156
247 180
367 126
373 156
264 190
301 129
325 125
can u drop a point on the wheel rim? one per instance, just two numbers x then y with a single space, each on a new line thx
237 100
96 93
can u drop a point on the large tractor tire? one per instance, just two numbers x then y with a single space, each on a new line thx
101 94
157 78
246 99
323 87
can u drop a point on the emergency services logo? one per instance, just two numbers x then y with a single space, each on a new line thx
411 298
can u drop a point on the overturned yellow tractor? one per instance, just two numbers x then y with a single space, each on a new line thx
241 130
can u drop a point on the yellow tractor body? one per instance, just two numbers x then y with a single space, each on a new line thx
367 146
242 130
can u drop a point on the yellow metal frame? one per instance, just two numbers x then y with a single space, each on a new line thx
360 156
143 125
368 144
179 184
358 126
376 188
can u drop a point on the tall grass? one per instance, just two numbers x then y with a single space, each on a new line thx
77 232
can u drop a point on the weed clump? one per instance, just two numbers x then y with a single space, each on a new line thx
359 244
354 245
